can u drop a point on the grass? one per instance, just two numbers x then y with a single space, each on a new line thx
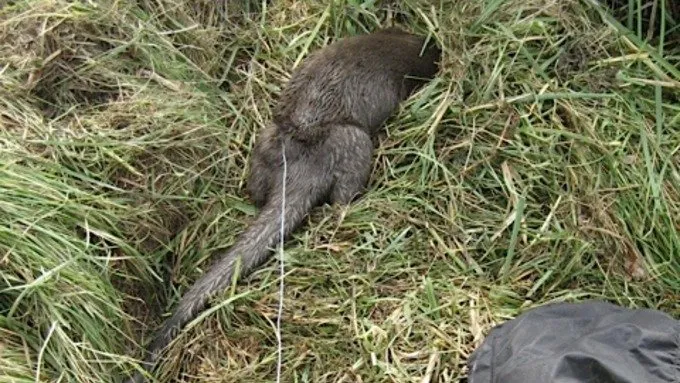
541 165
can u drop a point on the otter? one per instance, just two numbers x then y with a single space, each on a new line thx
324 122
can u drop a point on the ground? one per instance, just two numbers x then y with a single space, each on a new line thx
541 165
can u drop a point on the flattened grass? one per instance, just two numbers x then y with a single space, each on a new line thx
541 165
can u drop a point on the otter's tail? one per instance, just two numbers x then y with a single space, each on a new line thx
252 249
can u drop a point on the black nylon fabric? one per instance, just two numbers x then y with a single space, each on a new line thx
584 342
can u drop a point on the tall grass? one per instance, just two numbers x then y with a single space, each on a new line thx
541 165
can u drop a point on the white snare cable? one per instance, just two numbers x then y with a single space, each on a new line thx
281 284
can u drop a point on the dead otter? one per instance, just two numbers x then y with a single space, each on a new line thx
326 118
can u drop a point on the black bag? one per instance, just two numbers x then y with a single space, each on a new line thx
580 343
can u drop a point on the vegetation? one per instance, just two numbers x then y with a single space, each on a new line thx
542 165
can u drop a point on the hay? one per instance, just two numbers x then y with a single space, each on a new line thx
541 165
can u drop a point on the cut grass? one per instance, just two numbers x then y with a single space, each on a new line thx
541 165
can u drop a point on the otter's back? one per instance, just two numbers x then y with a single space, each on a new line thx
358 80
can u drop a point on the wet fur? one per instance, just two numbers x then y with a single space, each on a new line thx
326 118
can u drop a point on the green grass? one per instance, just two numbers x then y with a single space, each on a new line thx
541 165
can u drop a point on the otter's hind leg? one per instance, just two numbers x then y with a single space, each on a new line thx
263 166
352 151
259 181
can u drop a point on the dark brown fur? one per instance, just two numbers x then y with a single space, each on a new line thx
326 118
